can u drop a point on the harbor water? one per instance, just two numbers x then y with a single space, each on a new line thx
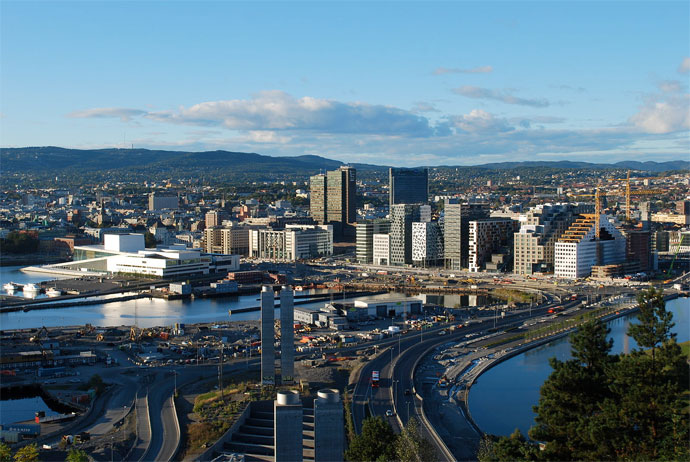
502 398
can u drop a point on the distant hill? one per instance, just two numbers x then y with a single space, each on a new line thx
649 166
50 160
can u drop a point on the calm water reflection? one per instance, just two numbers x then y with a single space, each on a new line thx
502 398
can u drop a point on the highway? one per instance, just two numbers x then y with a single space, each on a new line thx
397 391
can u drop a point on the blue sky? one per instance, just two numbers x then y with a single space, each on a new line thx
396 83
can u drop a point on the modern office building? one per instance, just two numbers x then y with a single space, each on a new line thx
365 238
456 225
639 249
402 216
287 426
540 228
287 335
578 250
333 201
234 240
268 355
329 432
408 186
427 244
381 254
295 242
158 202
317 198
488 236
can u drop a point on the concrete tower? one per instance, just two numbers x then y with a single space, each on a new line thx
287 335
268 354
287 426
329 435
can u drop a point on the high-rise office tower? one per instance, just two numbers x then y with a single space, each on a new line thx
287 426
268 354
329 435
402 216
333 200
287 335
456 225
408 186
317 198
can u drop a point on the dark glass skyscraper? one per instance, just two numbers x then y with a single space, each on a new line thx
408 186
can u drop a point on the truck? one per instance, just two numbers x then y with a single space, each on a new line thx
375 379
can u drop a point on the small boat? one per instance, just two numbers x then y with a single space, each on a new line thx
53 292
10 287
31 288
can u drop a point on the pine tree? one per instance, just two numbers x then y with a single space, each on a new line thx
647 417
572 393
376 442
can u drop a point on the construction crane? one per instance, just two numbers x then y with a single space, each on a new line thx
638 192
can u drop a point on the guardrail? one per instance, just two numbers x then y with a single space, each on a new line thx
445 452
148 421
177 427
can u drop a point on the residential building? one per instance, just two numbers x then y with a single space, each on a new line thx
488 236
456 224
408 186
365 238
427 244
540 228
578 250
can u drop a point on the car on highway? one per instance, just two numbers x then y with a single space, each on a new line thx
389 413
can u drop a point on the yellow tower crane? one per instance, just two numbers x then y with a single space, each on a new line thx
638 192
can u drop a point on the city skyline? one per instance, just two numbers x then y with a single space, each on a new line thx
401 84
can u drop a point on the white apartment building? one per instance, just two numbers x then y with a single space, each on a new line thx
578 250
382 249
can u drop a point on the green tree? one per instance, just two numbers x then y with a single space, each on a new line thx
5 453
412 446
573 392
27 454
514 448
647 417
376 442
150 240
77 455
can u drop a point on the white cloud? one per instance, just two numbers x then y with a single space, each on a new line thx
469 91
666 112
277 110
684 67
480 121
123 114
455 70
667 115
